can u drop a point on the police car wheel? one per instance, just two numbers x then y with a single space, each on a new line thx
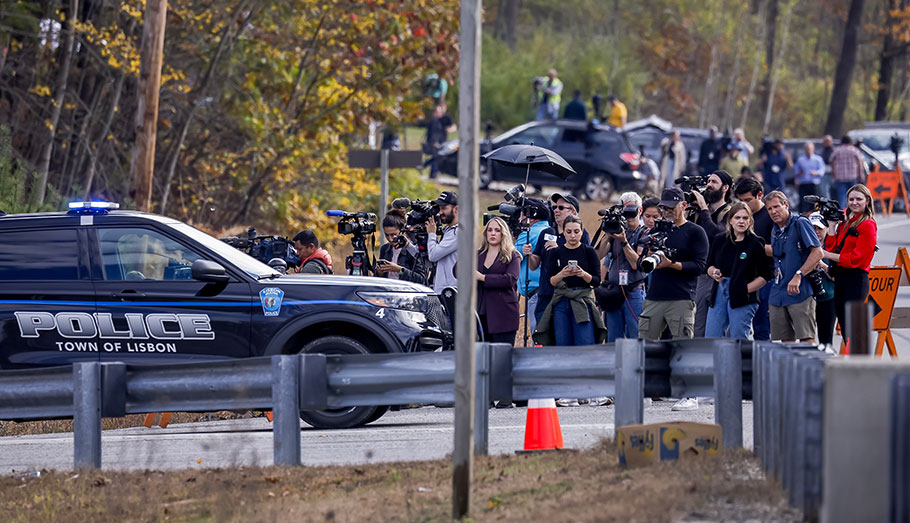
345 417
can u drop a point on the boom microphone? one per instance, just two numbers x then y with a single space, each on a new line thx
401 203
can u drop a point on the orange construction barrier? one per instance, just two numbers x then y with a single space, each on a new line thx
162 422
542 431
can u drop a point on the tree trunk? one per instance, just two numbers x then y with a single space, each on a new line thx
775 74
101 137
756 65
727 116
886 64
771 12
709 87
143 161
843 75
59 91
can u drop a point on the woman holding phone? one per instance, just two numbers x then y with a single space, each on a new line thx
498 265
571 318
398 257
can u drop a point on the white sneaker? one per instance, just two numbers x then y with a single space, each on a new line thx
565 402
600 401
686 404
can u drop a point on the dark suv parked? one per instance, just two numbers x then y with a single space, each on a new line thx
601 155
144 289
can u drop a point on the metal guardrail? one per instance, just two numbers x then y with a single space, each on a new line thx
629 370
899 473
788 408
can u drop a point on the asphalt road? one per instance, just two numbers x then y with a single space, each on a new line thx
409 435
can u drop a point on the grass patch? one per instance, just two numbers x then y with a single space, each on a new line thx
581 486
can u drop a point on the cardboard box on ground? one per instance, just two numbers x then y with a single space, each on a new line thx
645 444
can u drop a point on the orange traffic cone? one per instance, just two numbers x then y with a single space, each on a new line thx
542 431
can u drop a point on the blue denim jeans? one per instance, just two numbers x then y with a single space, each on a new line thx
722 317
623 323
761 323
841 189
531 313
567 331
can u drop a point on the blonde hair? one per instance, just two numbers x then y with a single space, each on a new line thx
869 211
506 246
735 208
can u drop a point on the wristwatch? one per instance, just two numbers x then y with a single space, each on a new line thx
800 272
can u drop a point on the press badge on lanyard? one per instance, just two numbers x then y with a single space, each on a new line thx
623 277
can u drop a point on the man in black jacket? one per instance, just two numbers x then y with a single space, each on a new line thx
712 207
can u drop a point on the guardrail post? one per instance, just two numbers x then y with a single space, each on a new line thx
899 474
286 407
87 415
758 352
482 400
728 391
630 382
859 327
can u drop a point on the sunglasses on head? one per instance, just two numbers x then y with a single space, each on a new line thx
564 207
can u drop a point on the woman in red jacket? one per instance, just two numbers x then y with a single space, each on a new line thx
851 246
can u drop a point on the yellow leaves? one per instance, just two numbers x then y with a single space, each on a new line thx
40 90
49 124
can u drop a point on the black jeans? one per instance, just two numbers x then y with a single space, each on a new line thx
849 285
825 316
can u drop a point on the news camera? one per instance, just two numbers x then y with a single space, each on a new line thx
276 251
516 206
656 246
358 225
614 219
829 209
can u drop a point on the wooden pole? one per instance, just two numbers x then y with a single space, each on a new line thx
468 158
151 57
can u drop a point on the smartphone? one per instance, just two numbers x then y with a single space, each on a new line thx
573 264
382 262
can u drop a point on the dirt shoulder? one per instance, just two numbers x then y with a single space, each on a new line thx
577 486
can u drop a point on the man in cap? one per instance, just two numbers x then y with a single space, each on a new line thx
564 205
670 301
732 162
442 251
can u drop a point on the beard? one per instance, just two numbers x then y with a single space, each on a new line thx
712 196
447 219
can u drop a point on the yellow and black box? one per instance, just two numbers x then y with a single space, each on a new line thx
645 444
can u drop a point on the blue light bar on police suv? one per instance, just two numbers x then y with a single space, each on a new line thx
91 207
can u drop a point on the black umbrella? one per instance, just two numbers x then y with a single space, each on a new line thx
532 157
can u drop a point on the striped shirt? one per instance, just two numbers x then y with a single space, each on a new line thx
846 163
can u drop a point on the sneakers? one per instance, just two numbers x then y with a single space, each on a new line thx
686 404
601 401
564 402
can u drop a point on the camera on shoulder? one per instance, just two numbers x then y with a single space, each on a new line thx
829 209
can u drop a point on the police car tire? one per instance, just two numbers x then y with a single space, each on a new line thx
338 418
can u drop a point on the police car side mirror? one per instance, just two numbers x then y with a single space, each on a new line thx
205 270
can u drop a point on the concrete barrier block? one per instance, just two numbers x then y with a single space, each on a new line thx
857 420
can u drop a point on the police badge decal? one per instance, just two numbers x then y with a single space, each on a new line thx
271 300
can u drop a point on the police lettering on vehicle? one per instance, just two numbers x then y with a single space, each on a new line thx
82 325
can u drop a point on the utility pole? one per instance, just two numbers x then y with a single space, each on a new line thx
468 158
151 57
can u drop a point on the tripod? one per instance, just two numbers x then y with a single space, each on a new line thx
358 263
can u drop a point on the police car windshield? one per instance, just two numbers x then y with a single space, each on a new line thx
242 261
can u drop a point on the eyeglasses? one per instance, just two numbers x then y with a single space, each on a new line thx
564 207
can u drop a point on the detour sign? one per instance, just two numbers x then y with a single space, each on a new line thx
883 283
884 184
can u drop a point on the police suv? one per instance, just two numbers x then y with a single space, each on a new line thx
98 284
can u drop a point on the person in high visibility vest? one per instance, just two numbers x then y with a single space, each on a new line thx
552 95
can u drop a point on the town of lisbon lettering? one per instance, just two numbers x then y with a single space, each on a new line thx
84 326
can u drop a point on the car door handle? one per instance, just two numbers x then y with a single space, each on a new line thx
129 293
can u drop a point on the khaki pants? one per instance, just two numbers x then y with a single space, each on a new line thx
677 315
793 322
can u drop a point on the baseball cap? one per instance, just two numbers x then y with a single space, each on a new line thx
818 220
555 197
447 198
672 196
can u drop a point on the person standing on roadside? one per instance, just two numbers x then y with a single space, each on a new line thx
576 108
313 259
619 115
749 192
827 149
672 161
809 170
550 99
739 267
712 211
438 128
623 271
825 311
847 169
796 252
709 153
773 163
537 216
564 205
497 275
851 246
745 148
442 251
